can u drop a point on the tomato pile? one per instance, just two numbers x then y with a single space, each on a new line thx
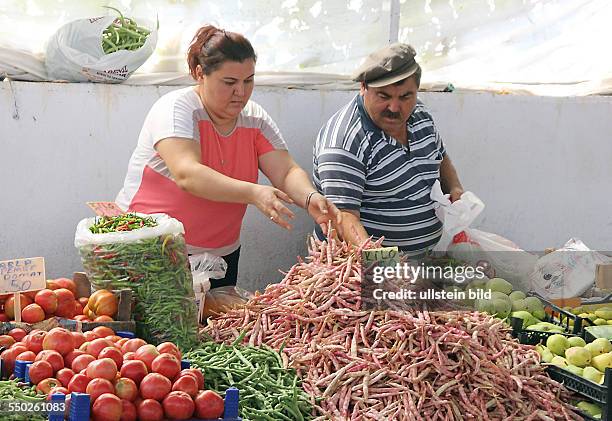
127 379
60 299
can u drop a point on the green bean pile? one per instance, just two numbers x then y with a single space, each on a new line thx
127 222
12 390
267 390
157 271
123 34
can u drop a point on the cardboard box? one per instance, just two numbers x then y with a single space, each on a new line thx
603 276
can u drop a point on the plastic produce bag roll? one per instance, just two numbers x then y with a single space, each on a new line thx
152 261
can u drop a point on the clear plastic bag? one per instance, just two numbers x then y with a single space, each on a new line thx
153 262
74 53
474 246
567 272
221 300
204 267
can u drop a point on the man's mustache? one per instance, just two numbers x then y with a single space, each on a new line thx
390 114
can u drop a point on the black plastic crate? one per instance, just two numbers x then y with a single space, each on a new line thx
555 315
531 337
598 393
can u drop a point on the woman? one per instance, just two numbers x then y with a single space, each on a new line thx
200 149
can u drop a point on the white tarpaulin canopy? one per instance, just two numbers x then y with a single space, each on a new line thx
546 47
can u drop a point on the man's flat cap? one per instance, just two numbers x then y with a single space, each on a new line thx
387 65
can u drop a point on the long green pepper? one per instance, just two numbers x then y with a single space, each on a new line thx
157 271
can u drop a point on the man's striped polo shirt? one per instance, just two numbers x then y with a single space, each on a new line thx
357 166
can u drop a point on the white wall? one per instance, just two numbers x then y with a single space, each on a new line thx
542 165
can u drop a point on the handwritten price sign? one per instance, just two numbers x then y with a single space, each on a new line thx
22 275
105 208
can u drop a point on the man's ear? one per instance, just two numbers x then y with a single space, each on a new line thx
363 88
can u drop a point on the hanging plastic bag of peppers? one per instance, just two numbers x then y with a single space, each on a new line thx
105 49
147 254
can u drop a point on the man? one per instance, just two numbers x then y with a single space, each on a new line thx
378 157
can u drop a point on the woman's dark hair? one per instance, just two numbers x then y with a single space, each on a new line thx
212 46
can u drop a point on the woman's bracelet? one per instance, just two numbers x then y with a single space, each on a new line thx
308 199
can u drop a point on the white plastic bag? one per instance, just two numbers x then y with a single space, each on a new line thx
204 267
165 225
74 53
474 246
567 272
456 216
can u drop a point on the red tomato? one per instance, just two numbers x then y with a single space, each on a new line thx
208 404
155 386
178 406
26 356
64 376
167 365
197 373
83 301
53 357
126 388
112 353
107 407
132 345
103 331
81 362
47 299
60 340
90 336
135 370
79 339
186 383
102 369
8 357
113 338
40 370
65 303
9 308
66 283
4 317
45 386
32 313
150 410
170 348
6 341
78 309
57 389
130 356
128 411
18 334
120 343
69 358
146 354
78 383
97 345
34 341
97 387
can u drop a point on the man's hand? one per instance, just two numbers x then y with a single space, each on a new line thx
322 211
455 194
